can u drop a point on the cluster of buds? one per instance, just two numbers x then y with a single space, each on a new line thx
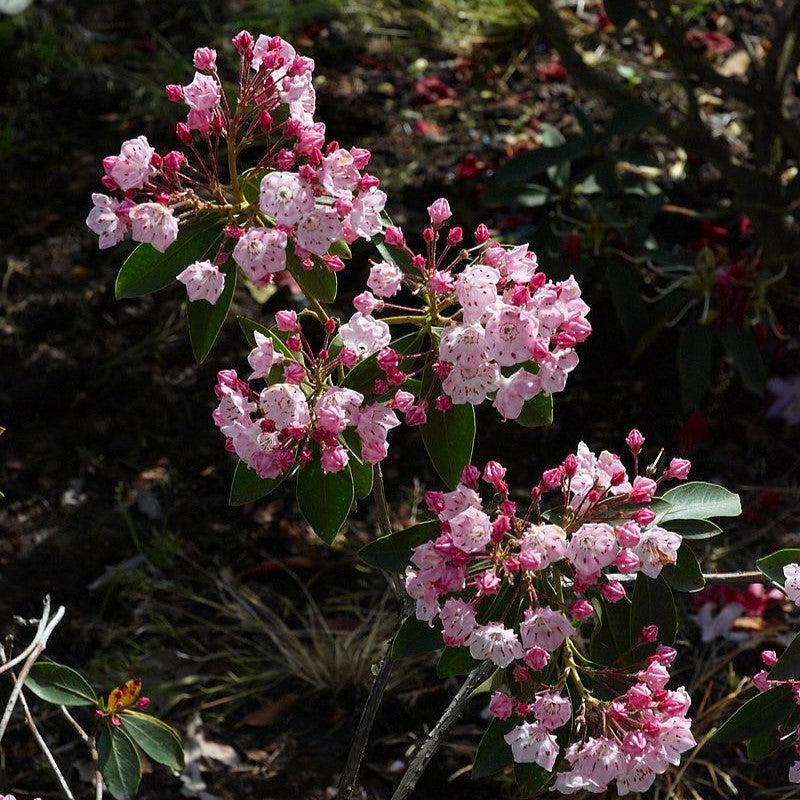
515 589
123 698
500 328
300 195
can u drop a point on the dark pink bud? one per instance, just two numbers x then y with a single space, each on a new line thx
650 633
570 465
394 236
634 440
482 234
443 402
294 343
183 133
243 43
429 234
454 235
174 93
551 478
265 119
470 475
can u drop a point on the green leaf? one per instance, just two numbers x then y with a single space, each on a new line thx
740 345
449 438
247 486
763 744
205 320
361 377
611 635
762 712
531 778
250 326
533 162
494 681
699 501
362 471
652 604
393 552
773 564
692 528
536 412
493 753
146 270
60 685
455 661
118 761
625 288
318 282
787 666
416 638
685 574
157 739
340 248
695 351
324 500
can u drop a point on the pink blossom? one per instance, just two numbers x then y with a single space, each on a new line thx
678 468
334 459
286 321
657 547
635 441
458 621
533 744
471 530
471 384
592 547
294 373
501 706
367 303
317 231
439 212
366 214
544 627
552 710
260 253
153 224
496 643
284 196
203 93
285 404
203 281
548 542
416 415
463 345
537 658
581 609
514 392
476 289
131 169
365 335
205 58
263 356
791 573
385 279
643 489
104 220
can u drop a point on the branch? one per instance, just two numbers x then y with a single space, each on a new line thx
427 749
358 746
751 576
89 741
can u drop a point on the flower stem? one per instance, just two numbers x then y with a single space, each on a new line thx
358 746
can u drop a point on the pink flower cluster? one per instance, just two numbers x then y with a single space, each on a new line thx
312 192
762 682
489 581
507 333
300 414
639 734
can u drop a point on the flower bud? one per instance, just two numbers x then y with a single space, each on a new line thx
454 235
581 609
174 93
439 211
482 234
650 633
470 475
183 133
205 59
634 440
393 236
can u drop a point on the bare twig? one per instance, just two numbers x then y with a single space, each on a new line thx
40 642
749 576
430 745
89 741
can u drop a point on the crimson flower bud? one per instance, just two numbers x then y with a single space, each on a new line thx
482 234
455 235
183 133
